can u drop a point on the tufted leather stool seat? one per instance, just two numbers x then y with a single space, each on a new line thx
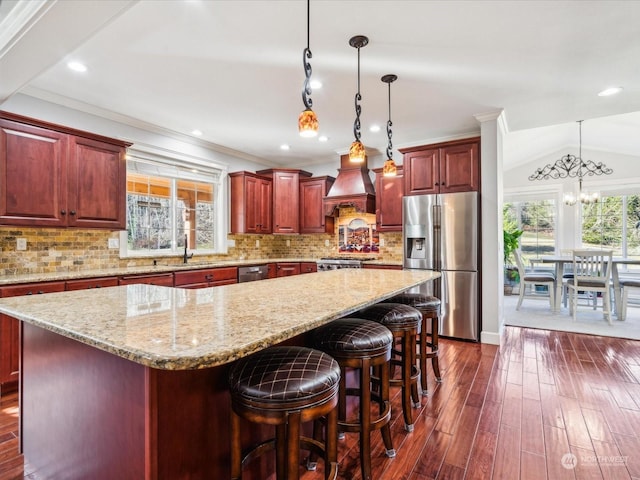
404 323
361 345
285 386
429 306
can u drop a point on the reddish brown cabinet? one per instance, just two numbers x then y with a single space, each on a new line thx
157 279
442 168
312 217
286 269
308 267
80 177
206 277
10 331
272 270
389 193
374 266
87 283
286 202
251 201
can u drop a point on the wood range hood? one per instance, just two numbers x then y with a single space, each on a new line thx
352 188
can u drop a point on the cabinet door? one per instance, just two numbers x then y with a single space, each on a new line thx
9 351
459 168
97 177
263 206
32 173
288 269
308 267
272 270
312 218
389 193
421 172
10 331
286 211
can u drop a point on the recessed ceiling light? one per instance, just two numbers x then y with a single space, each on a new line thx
196 132
77 66
284 146
609 91
315 84
374 128
323 138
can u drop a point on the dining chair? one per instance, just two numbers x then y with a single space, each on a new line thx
567 275
532 278
591 273
627 284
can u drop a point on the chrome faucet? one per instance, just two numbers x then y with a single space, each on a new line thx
186 256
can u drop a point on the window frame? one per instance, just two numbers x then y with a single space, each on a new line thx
174 168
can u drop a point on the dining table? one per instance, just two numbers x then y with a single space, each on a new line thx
561 260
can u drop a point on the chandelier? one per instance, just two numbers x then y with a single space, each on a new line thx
571 166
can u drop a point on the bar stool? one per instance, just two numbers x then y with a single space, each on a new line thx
362 345
285 386
404 323
429 306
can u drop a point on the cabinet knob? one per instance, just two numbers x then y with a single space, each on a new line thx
437 183
72 212
63 212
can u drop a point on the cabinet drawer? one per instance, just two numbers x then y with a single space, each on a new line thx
161 280
207 275
87 283
308 267
217 283
32 289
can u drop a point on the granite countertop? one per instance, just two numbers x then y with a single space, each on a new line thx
139 269
181 329
151 269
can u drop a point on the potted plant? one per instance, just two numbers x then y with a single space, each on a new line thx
511 241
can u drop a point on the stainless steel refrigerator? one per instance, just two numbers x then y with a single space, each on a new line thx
440 232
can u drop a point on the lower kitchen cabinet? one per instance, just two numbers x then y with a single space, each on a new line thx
158 279
308 267
272 270
10 332
87 283
208 277
382 267
287 269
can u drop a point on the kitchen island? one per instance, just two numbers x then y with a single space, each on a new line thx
130 381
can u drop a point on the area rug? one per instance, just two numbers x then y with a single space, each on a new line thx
536 313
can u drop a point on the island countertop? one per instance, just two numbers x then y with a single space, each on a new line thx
182 329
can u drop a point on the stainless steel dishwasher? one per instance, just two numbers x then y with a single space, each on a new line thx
254 272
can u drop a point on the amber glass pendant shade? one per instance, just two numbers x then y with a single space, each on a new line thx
389 168
357 152
308 123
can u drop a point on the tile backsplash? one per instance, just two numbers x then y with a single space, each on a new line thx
52 250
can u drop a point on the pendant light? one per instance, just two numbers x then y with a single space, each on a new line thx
389 168
307 121
357 152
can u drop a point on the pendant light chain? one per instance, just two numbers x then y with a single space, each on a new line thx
307 121
358 98
389 125
306 54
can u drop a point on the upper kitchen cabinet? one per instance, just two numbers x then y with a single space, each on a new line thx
442 168
312 217
286 202
250 203
389 193
51 176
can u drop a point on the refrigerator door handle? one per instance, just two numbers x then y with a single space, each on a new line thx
437 234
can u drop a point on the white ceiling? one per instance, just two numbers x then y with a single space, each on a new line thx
233 69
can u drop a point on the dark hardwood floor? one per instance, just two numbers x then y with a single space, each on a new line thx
545 405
